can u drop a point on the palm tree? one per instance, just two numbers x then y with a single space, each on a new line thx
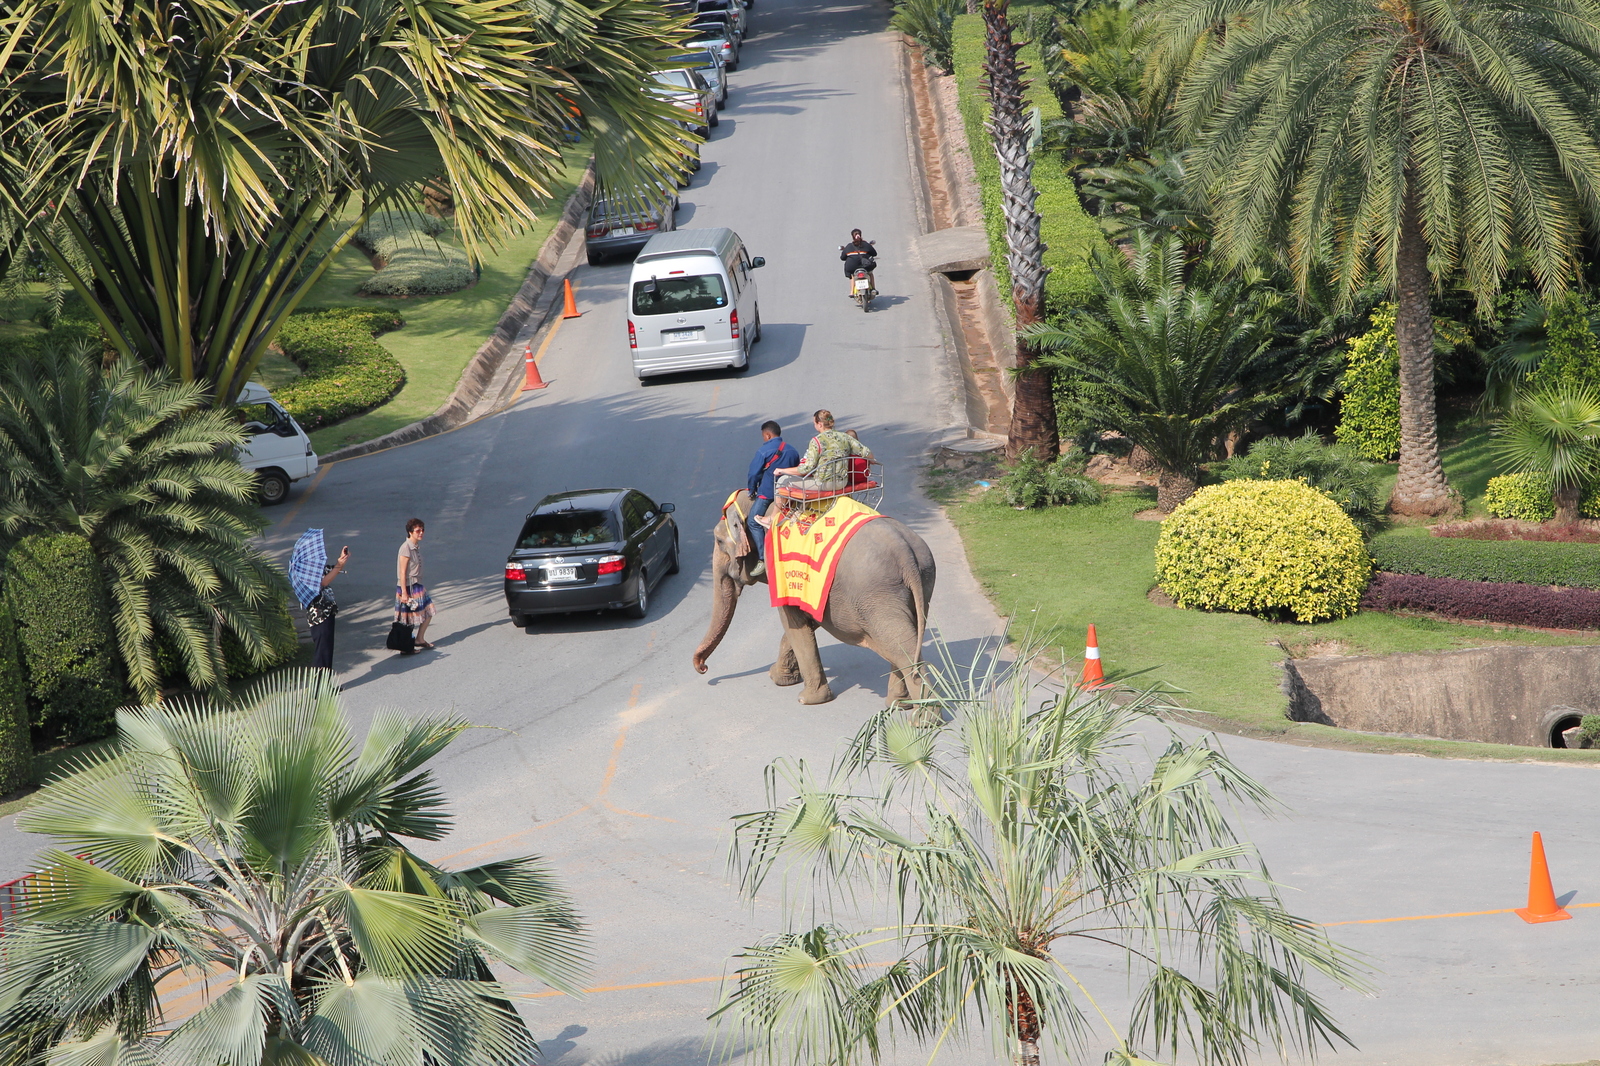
1422 142
256 847
143 469
1033 409
201 156
1173 365
1015 841
1555 433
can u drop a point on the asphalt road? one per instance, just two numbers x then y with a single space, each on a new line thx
600 748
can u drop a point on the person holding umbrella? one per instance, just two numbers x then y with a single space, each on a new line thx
310 574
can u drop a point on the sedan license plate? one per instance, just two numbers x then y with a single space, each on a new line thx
679 336
561 573
622 231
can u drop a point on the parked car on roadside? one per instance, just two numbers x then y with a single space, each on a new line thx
735 11
707 62
279 451
620 223
688 90
714 31
590 550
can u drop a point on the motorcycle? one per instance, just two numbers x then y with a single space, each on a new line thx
861 290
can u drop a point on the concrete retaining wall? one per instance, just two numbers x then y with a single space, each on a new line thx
1494 695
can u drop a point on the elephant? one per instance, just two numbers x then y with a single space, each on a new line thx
878 600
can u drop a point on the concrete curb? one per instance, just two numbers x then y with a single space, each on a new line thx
485 364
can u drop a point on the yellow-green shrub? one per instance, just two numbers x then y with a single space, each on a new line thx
1369 413
1263 547
1528 497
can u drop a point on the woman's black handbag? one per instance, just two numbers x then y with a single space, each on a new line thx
401 638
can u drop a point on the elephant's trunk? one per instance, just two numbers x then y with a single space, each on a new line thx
725 599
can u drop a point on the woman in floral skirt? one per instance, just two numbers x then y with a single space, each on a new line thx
412 604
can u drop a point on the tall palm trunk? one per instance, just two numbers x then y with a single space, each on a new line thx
1420 488
1025 1022
1033 412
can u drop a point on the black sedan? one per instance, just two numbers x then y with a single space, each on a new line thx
591 550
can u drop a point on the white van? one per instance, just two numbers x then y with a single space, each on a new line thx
279 449
692 303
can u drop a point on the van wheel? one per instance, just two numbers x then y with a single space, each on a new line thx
641 603
755 334
716 119
274 487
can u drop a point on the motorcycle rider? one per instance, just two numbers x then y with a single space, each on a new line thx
859 254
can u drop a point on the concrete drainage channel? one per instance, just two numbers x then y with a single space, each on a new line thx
1531 697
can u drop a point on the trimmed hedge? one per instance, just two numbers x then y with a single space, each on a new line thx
1528 497
1069 234
415 261
1263 547
1508 561
58 598
1511 604
346 370
16 750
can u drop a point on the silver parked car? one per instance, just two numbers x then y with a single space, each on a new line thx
707 62
713 30
734 9
622 223
690 91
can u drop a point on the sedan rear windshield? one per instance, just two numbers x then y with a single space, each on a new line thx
673 296
567 529
676 78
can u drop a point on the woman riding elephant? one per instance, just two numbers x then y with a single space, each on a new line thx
878 600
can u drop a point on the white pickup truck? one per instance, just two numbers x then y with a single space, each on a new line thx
279 449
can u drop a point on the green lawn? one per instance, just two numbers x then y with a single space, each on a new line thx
441 332
1054 571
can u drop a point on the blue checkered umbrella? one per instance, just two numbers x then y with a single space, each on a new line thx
307 564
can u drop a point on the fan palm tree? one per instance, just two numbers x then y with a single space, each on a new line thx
142 468
1555 433
1033 410
258 848
1413 142
1016 841
1173 365
201 156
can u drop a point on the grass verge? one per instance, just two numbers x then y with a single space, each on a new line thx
1054 571
441 333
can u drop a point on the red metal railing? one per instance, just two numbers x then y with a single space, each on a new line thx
13 894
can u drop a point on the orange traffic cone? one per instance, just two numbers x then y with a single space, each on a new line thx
571 308
533 380
1542 905
1093 676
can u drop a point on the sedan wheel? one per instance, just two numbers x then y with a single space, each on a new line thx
641 604
672 560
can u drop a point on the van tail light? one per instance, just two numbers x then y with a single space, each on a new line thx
633 338
611 564
515 572
733 323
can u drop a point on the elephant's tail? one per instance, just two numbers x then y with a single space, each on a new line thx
919 601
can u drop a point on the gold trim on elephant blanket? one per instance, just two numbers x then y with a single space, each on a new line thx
803 553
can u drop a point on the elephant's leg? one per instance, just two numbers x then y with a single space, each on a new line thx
785 669
800 633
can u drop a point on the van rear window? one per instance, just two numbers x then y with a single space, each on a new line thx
673 296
